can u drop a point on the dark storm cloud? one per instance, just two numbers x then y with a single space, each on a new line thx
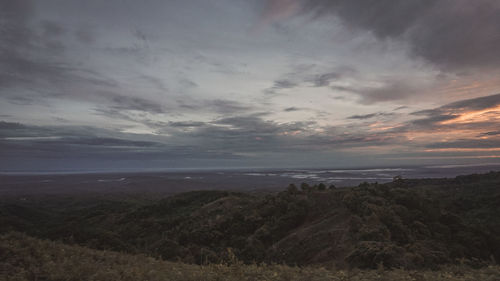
186 124
291 109
458 34
14 130
220 139
474 104
487 134
33 60
84 34
224 106
366 116
133 103
155 82
386 18
52 29
15 15
97 141
401 108
446 116
324 80
26 142
250 123
462 106
24 100
249 133
114 113
10 125
21 47
467 143
390 91
284 84
310 75
188 83
220 106
17 70
340 72
371 115
453 34
433 120
279 85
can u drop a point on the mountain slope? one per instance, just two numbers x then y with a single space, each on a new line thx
27 258
407 223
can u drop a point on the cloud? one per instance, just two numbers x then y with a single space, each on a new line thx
155 82
120 102
220 106
487 134
371 115
15 17
26 56
28 145
292 109
10 125
279 85
176 80
84 34
469 116
386 18
401 107
52 29
186 124
284 84
324 80
310 75
467 144
391 91
455 35
473 104
457 109
387 90
459 34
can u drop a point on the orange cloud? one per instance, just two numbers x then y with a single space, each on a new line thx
463 149
490 114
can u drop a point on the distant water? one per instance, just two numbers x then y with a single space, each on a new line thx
178 180
348 177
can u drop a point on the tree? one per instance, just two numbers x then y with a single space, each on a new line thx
292 189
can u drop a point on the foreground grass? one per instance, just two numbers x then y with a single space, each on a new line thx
26 258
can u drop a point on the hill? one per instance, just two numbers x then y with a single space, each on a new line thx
27 258
411 224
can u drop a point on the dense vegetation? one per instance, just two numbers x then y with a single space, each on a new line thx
411 224
26 258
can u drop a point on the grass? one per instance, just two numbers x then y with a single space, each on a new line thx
26 258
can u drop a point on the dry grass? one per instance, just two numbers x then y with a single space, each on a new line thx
26 258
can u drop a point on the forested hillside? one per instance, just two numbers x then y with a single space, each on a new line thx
411 224
27 258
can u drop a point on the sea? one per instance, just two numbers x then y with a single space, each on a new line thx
244 179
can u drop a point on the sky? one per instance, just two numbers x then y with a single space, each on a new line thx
123 84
